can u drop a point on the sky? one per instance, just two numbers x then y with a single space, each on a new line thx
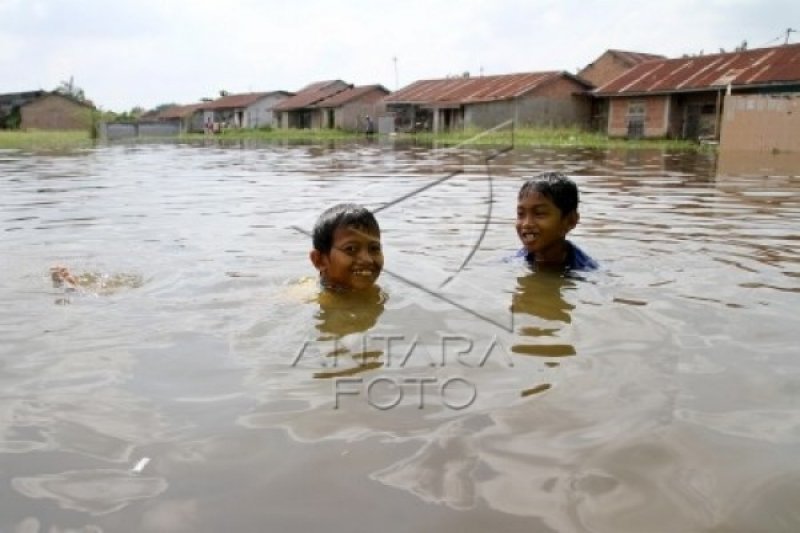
127 53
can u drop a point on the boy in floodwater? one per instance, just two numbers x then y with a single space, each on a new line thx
347 249
547 210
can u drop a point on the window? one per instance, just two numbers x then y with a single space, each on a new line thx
636 116
636 108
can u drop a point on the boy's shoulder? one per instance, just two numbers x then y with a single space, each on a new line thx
577 259
580 260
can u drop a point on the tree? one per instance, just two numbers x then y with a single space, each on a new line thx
68 88
162 107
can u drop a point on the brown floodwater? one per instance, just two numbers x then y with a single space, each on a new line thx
194 381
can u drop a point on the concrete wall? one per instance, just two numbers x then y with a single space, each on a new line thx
557 104
260 115
129 130
656 115
350 117
54 112
763 123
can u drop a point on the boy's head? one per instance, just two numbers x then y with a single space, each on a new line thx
547 209
347 247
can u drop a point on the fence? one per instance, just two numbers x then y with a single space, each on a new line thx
131 130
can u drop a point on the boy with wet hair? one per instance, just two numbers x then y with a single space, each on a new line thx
347 248
547 210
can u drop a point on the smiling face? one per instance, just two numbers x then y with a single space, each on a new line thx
542 228
354 262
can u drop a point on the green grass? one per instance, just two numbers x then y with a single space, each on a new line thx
544 137
553 137
279 134
45 140
41 140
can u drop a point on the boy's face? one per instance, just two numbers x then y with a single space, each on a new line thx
541 226
355 260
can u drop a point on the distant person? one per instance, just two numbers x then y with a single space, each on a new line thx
547 210
347 249
369 127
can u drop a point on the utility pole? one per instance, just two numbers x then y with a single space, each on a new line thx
396 86
788 31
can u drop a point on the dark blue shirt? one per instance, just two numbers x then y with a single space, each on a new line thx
577 259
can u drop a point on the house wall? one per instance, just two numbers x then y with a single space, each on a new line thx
656 115
194 123
260 115
350 117
696 115
761 123
54 112
555 105
409 117
607 67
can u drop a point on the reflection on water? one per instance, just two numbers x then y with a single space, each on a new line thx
346 313
540 295
343 314
659 394
757 164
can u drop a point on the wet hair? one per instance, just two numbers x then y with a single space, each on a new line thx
555 186
342 215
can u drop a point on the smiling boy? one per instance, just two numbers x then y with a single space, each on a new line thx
547 210
347 249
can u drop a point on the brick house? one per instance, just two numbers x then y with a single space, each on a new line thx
531 99
44 110
299 111
683 98
348 109
609 65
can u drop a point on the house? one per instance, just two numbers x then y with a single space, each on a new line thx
531 99
299 111
611 64
246 110
188 117
605 68
683 98
44 110
347 110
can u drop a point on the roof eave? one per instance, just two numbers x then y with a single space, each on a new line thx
697 89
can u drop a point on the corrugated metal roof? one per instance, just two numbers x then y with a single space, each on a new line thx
351 94
634 58
761 66
179 111
312 94
238 100
474 90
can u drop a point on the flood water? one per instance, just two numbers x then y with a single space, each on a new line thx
195 384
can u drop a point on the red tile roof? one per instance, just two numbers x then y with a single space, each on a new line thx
474 90
757 67
351 94
238 100
312 94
